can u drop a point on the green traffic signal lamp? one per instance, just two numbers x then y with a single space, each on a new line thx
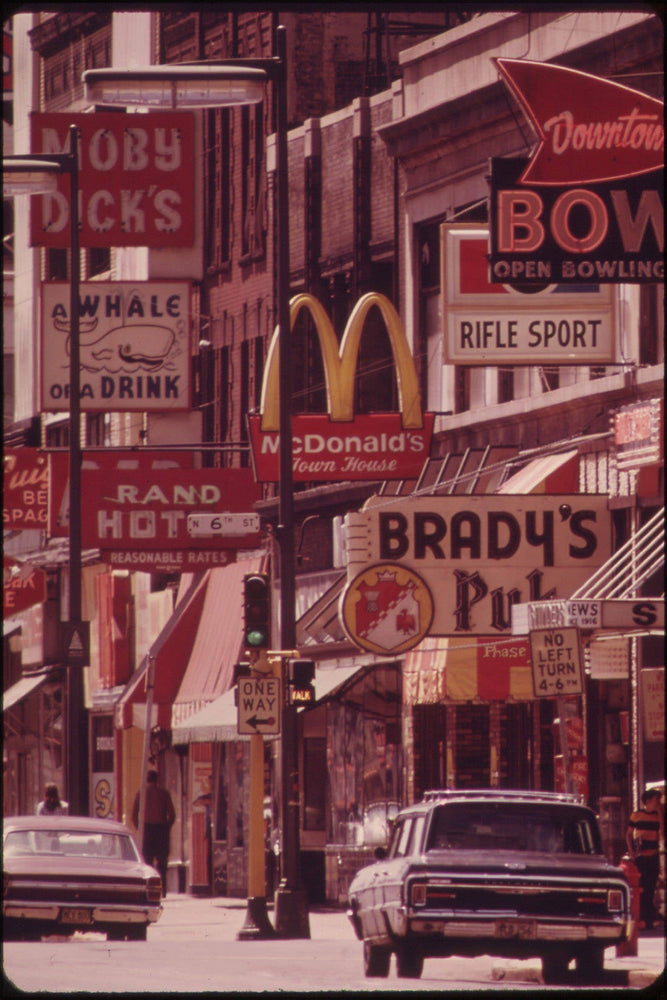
256 611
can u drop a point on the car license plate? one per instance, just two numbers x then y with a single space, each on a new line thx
74 915
515 929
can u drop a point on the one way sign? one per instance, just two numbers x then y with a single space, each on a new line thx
259 705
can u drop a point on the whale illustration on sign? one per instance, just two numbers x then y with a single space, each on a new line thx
124 348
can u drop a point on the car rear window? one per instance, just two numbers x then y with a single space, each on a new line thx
508 826
70 842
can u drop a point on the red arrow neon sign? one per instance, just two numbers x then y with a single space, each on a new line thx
589 129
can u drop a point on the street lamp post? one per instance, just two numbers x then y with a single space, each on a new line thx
224 84
37 174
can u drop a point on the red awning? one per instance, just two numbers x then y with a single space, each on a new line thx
471 668
218 641
171 651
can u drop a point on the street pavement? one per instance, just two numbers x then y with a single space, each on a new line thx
221 918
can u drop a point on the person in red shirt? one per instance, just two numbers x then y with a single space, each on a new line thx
159 817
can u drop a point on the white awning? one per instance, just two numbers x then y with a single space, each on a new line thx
17 692
534 476
218 722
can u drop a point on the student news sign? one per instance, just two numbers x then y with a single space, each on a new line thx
136 180
134 341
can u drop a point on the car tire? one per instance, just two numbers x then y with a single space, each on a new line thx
554 968
127 932
409 962
590 965
376 960
137 932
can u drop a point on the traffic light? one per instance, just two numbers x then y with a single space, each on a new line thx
256 611
301 674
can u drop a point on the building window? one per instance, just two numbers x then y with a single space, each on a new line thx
651 324
314 788
98 260
57 265
218 207
223 382
253 180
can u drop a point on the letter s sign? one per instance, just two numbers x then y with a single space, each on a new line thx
644 614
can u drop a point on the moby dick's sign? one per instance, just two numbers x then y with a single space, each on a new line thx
588 205
340 444
134 340
136 179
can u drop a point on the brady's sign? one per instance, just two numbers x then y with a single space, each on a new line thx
136 180
492 323
124 511
479 556
588 206
341 445
134 345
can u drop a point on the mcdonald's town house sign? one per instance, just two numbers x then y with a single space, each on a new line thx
339 444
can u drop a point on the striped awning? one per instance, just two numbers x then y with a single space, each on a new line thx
473 668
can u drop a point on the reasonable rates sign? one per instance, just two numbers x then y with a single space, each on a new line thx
136 179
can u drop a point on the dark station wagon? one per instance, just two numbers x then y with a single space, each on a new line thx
68 873
491 872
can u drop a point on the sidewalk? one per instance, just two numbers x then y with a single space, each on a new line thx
222 917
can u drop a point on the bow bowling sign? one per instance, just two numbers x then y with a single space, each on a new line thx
339 444
588 205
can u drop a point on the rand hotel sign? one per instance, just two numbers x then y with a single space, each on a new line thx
475 556
134 346
136 179
340 444
588 205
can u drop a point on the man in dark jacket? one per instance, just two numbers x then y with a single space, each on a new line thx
159 817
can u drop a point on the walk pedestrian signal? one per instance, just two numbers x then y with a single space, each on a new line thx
256 611
301 689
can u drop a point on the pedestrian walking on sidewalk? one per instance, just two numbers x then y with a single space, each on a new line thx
159 817
643 841
52 804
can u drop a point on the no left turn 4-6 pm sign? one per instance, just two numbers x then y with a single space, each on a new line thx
259 705
556 662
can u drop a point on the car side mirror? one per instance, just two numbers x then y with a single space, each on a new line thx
380 853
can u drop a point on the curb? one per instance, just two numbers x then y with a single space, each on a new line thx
524 972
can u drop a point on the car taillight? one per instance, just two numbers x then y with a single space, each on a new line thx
6 883
418 894
614 900
154 889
